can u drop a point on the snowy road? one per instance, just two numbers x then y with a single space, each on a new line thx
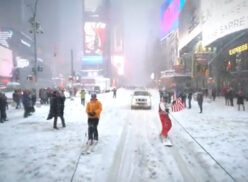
129 148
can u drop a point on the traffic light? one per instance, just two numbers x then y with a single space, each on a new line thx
30 77
40 68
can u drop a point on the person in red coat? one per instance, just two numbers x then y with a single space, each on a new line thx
165 120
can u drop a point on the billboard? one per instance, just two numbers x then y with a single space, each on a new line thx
190 22
169 16
6 62
94 42
219 22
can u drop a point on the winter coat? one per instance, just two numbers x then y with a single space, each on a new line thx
190 95
94 108
27 100
240 99
3 102
56 107
199 97
16 97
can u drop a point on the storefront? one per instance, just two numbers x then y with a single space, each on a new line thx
236 64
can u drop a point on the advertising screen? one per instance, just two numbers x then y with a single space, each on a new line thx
170 11
94 42
6 62
219 22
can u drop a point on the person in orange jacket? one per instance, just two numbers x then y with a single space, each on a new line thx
165 120
93 109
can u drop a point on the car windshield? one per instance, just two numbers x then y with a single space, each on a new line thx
141 93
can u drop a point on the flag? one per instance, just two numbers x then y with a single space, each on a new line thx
177 105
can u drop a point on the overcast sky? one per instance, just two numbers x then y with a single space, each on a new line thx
141 27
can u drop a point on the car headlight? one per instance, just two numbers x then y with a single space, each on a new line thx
133 101
149 101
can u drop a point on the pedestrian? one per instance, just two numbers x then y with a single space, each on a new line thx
189 98
3 107
26 102
114 92
165 120
17 98
57 108
214 94
199 99
240 100
82 96
93 109
231 95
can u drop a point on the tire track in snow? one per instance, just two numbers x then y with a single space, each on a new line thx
119 158
160 157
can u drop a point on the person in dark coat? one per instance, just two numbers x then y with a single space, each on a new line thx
57 108
214 94
240 100
189 99
231 95
114 92
27 103
17 98
199 99
3 106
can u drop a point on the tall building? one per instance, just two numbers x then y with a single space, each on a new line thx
16 45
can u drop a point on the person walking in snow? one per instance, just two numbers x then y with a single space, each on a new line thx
57 108
93 109
3 106
27 103
190 98
165 120
240 100
199 99
114 92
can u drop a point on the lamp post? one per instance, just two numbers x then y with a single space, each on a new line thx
35 28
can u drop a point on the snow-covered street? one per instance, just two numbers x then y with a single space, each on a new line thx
212 146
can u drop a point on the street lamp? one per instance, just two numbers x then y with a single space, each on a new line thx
35 28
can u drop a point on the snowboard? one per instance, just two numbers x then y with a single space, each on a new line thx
166 141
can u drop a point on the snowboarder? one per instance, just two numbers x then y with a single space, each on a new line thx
165 120
93 109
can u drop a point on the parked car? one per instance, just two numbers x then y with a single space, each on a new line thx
141 99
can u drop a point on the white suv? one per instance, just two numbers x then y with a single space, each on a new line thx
141 99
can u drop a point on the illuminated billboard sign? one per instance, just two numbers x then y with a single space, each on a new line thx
94 42
6 62
220 22
169 12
